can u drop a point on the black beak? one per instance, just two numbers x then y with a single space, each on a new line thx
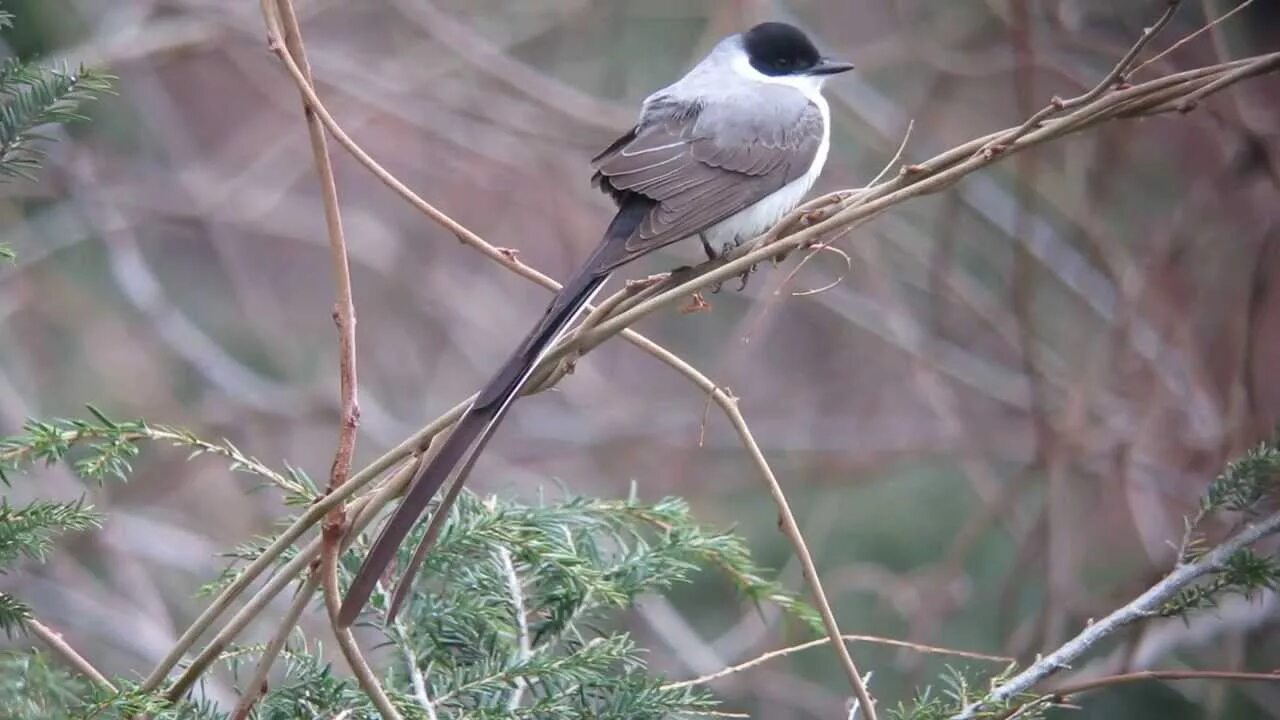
830 66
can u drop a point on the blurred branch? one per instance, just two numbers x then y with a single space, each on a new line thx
1146 605
783 652
1057 105
257 685
1068 690
1192 36
485 57
66 652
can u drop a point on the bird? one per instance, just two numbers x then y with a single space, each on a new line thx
720 155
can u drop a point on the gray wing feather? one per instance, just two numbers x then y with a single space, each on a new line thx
704 162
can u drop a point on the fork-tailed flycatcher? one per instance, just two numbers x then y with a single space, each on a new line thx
721 155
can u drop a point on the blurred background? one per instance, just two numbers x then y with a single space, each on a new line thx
991 428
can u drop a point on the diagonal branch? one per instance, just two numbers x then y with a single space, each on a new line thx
1140 608
64 650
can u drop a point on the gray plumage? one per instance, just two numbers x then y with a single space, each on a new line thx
712 145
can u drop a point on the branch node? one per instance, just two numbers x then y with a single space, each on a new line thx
993 150
696 304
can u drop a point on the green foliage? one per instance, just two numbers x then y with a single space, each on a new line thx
959 692
34 96
109 446
1245 486
524 627
129 702
528 594
521 627
104 448
13 613
28 532
33 686
1246 482
1246 573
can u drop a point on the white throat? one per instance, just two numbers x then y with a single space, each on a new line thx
810 85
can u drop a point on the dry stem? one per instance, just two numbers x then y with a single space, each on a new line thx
67 653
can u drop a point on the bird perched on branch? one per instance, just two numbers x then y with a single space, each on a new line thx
720 155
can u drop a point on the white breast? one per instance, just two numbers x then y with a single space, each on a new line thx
766 213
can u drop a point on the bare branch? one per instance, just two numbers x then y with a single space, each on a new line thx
1142 607
1192 36
257 685
64 650
792 649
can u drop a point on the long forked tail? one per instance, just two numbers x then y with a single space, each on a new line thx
477 424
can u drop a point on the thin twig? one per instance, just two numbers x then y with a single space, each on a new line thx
783 652
791 529
344 312
63 650
1117 75
1141 608
257 685
1144 675
522 622
329 551
856 705
787 522
819 247
1199 31
416 679
1059 696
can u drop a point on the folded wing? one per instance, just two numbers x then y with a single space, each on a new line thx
702 164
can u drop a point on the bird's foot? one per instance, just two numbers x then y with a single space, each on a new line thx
706 247
743 278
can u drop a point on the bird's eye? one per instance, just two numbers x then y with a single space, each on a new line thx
783 62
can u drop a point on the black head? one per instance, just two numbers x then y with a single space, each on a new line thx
777 49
